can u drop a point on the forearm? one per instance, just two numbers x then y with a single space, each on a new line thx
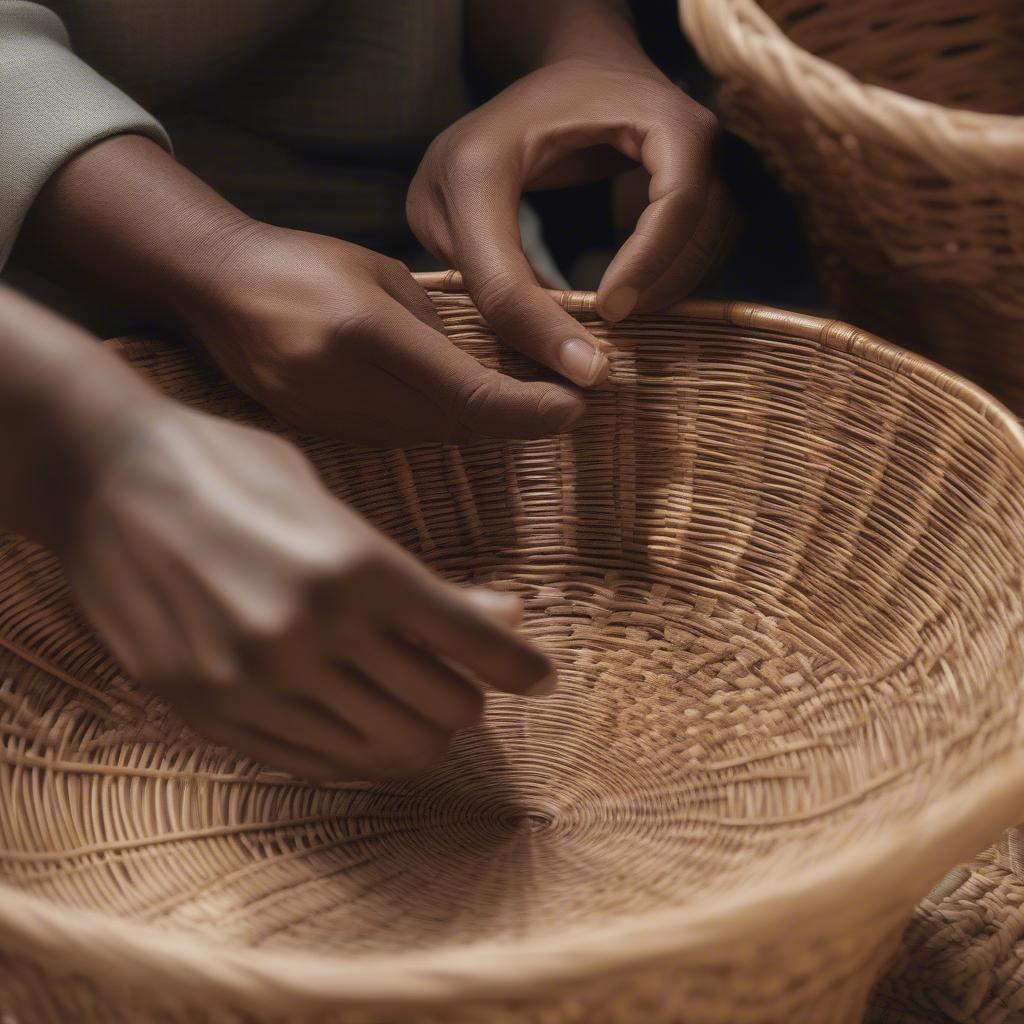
125 221
52 106
65 403
508 41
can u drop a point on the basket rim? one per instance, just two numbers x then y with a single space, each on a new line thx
825 331
886 872
739 38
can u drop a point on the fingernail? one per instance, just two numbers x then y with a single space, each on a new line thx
544 686
499 605
582 362
620 302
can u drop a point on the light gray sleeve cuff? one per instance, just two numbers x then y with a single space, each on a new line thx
52 106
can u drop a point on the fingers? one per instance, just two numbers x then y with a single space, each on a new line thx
396 740
678 155
479 400
390 708
700 257
504 607
415 678
337 724
301 722
487 249
442 619
282 753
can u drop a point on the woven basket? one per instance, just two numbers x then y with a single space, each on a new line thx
779 564
897 127
960 957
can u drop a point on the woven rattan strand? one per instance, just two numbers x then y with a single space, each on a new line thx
779 564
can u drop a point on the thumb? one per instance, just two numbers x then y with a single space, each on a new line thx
487 248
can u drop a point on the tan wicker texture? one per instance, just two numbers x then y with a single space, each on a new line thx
897 127
780 566
959 961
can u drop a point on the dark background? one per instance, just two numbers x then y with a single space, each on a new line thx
770 263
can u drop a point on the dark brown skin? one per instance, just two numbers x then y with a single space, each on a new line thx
590 97
336 339
332 338
224 576
207 554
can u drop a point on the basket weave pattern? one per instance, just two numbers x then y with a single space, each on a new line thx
959 958
780 567
896 127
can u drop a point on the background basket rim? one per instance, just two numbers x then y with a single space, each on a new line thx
739 38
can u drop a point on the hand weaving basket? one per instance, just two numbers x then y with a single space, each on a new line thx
780 566
897 128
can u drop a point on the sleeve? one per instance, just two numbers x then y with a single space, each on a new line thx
52 106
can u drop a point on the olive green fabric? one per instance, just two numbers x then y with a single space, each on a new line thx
304 113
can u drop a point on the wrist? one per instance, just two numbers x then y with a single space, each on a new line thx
246 276
86 427
513 42
126 221
601 32
214 275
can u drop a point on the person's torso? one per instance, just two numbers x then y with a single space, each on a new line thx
373 77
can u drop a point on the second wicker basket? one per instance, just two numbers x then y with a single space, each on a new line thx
898 128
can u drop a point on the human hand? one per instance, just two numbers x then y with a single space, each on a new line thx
225 577
332 338
567 123
335 339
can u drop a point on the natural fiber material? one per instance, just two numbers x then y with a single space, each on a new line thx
960 957
779 565
897 128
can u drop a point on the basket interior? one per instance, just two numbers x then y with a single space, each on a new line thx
957 53
783 586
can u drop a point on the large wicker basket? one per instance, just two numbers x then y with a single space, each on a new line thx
780 566
897 127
